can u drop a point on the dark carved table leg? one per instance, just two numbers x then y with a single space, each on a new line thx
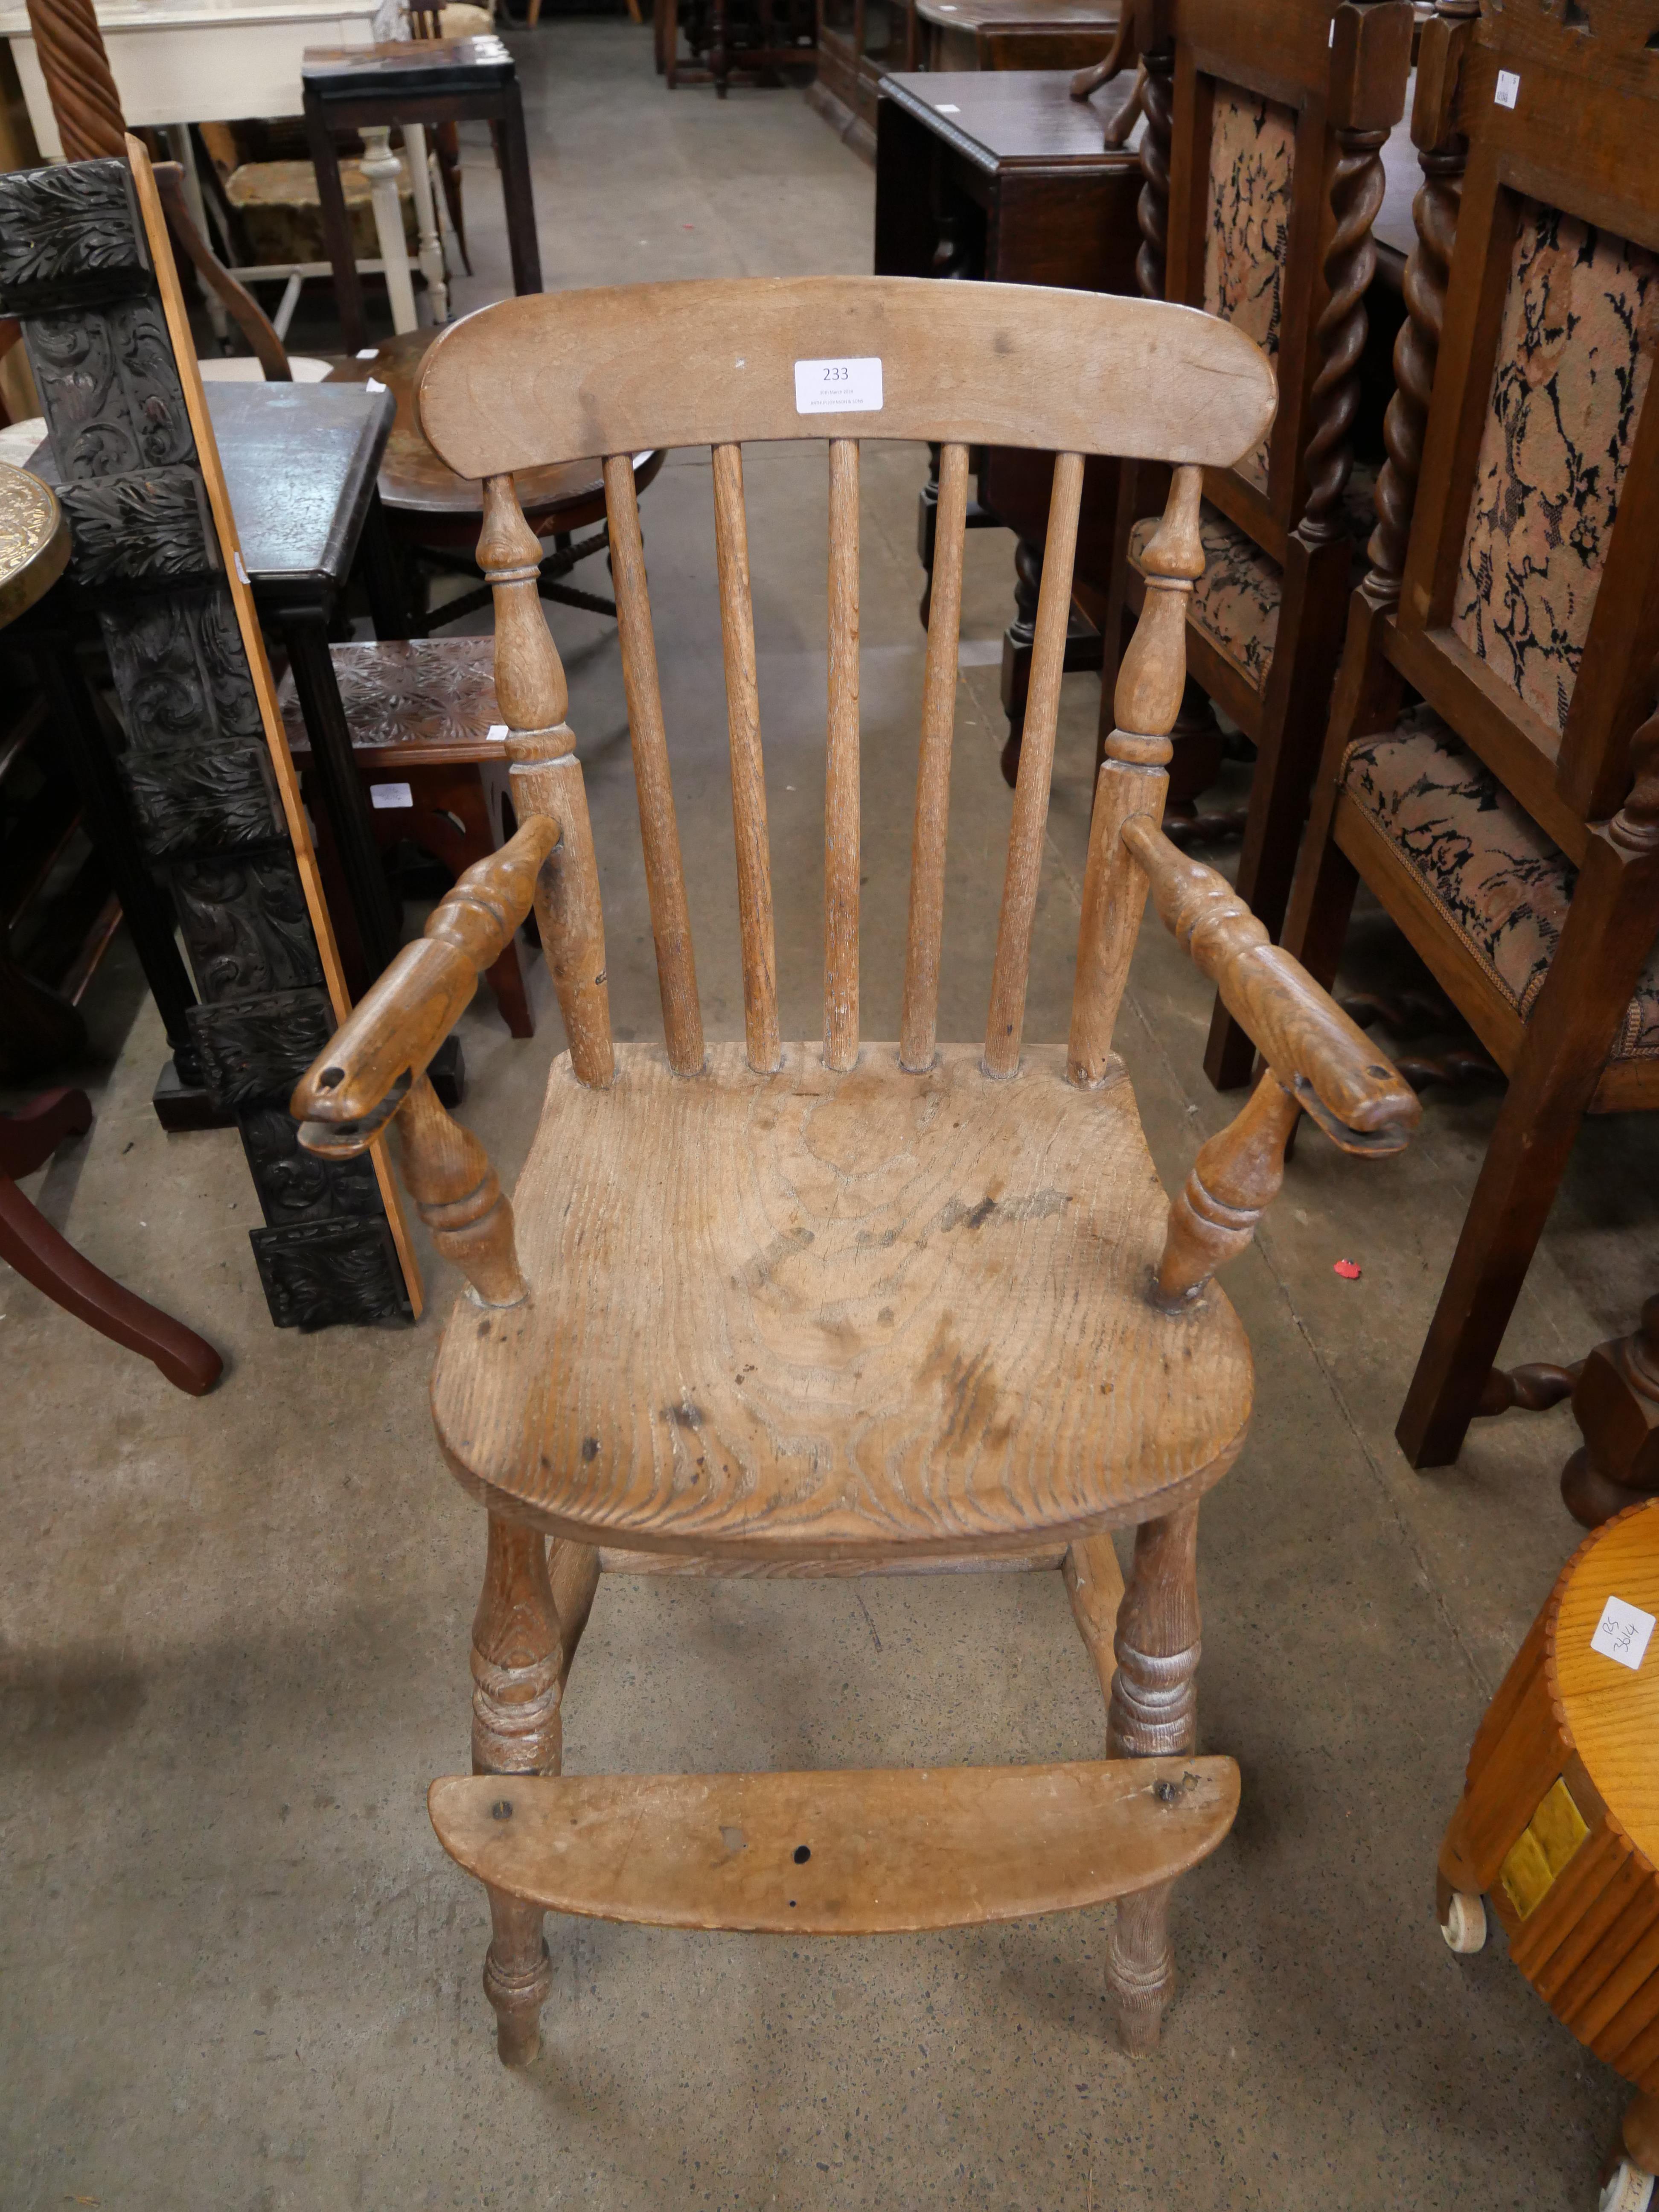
518 1673
1154 1715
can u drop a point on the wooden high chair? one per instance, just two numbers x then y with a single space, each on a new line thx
834 1308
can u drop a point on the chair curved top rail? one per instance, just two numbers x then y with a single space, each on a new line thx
564 376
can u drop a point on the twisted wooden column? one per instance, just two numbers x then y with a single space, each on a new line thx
79 81
1340 336
1416 351
1443 152
1153 210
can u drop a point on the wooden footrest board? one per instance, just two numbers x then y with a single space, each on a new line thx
837 1853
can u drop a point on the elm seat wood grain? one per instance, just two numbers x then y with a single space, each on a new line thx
805 1306
872 1313
877 1852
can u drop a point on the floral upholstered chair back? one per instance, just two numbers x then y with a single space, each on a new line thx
1528 592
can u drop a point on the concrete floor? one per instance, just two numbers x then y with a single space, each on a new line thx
237 1970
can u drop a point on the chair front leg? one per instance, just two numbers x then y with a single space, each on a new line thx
1153 1714
518 1675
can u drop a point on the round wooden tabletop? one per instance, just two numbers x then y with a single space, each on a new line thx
34 541
429 501
1606 1607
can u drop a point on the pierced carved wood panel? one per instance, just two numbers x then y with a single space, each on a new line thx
75 269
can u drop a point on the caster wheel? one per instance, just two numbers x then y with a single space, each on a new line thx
1629 2190
1465 1930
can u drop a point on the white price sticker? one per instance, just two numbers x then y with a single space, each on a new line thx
838 387
391 795
498 732
945 107
1508 89
1622 1633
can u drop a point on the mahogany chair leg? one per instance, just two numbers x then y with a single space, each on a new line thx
30 1137
1154 1715
30 1244
518 1675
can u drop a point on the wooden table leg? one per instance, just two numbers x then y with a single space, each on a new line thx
337 224
30 1244
522 245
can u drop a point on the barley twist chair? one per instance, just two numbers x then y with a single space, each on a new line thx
838 1307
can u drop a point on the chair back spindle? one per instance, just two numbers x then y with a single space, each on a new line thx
1133 778
1030 814
841 784
919 1024
547 779
760 982
665 876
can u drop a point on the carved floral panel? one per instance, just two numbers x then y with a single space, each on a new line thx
319 1273
1247 235
1575 353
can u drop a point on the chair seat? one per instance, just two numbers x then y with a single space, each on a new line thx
427 702
1490 870
842 1853
863 1314
1236 601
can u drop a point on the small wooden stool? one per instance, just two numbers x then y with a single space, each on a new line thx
1559 1824
428 742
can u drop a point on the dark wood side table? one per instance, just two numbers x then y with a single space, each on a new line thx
1013 34
428 81
1001 176
858 42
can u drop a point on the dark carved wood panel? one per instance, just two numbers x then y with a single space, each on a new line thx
151 527
74 269
295 1185
255 1050
319 1273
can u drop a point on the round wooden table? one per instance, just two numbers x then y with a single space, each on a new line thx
440 513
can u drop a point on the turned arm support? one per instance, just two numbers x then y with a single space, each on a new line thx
374 1068
1318 1063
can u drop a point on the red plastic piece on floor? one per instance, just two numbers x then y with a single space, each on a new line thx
1348 1270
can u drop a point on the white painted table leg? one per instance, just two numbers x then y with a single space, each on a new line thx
383 169
426 221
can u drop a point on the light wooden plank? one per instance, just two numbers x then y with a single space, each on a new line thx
566 375
845 1853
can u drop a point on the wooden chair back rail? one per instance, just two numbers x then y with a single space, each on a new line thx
559 376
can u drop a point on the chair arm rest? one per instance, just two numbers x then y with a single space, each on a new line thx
363 1076
1326 1062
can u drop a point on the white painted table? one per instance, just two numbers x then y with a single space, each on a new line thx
199 61
216 61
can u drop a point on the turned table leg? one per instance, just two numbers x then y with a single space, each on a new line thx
1154 1715
518 1673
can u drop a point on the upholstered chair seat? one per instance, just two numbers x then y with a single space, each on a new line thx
1488 867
